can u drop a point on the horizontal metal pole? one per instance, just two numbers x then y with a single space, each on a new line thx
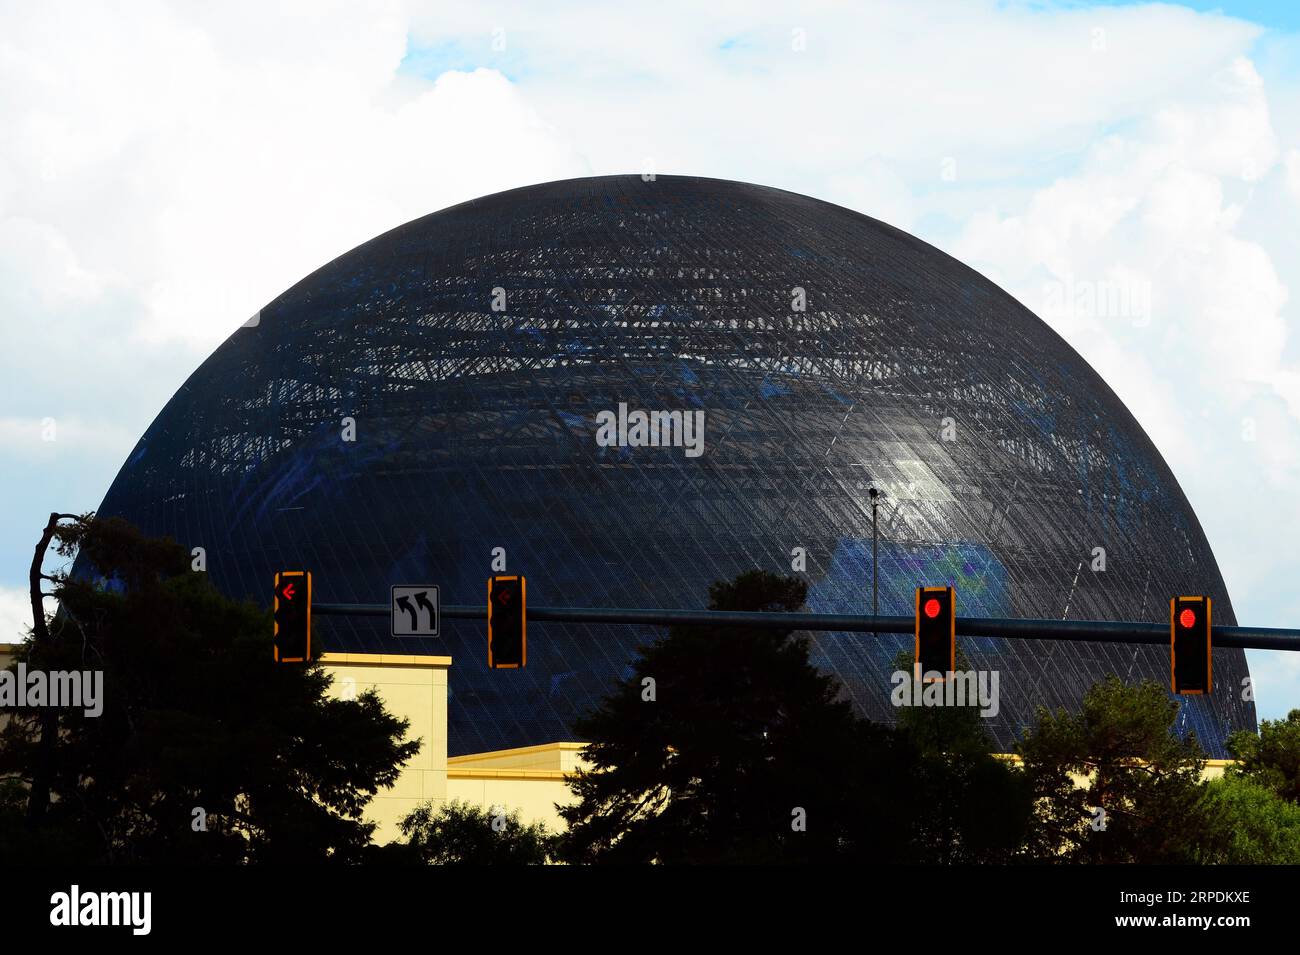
1088 631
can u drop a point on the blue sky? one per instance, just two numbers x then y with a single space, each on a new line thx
1275 14
169 169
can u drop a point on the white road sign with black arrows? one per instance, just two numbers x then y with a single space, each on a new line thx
414 610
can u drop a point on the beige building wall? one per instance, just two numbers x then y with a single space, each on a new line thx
1213 768
530 779
413 688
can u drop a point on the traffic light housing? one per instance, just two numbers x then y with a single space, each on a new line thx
507 623
292 616
1190 651
936 631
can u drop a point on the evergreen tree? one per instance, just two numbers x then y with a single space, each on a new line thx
206 750
727 745
970 806
1271 757
1112 783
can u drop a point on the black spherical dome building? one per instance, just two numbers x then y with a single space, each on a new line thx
476 348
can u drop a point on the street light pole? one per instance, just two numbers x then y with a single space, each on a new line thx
875 576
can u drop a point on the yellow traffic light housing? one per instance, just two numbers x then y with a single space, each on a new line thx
936 632
292 616
507 623
1191 657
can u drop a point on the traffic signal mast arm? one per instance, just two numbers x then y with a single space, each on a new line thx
1088 631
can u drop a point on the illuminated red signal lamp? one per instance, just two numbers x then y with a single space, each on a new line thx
507 622
292 614
936 632
1191 652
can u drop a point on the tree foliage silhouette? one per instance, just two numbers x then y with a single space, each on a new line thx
969 806
745 752
458 833
720 747
206 750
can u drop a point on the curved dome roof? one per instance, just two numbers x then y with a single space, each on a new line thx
475 349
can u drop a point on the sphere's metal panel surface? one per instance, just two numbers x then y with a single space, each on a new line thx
1005 460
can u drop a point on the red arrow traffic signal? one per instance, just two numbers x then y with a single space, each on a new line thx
292 617
507 623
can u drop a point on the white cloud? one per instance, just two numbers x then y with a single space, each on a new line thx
15 614
1275 674
213 161
1293 173
999 87
198 162
876 189
1156 212
45 438
39 261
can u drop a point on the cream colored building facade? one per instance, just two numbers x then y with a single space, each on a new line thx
529 780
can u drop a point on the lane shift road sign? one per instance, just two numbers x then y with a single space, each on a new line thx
414 610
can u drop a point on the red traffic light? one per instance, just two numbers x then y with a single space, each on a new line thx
1191 660
935 649
507 623
292 614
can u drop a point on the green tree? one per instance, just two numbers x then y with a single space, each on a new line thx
726 745
969 805
1253 824
458 833
199 727
1119 755
1270 758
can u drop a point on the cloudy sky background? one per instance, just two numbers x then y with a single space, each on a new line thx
167 169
